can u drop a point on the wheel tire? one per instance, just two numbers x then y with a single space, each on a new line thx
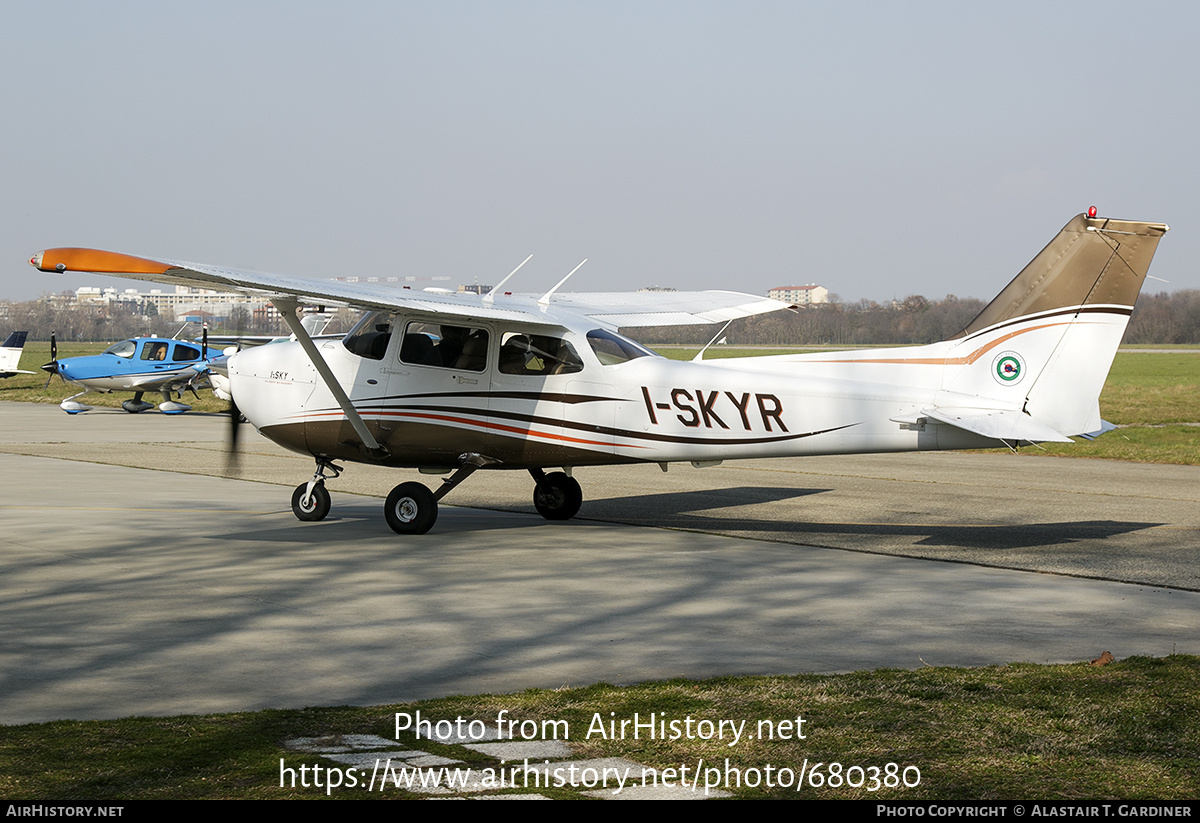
411 509
557 496
318 504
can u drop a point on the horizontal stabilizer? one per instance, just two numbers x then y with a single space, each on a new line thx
1105 427
997 425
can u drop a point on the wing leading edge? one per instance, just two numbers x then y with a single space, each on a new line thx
610 309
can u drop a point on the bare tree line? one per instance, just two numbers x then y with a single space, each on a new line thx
1158 318
914 319
1172 317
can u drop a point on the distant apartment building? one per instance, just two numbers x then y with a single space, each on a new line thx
182 303
800 295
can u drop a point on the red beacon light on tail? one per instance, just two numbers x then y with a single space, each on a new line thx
1091 211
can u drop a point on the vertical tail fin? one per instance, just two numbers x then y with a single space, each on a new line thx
1093 261
1046 342
10 353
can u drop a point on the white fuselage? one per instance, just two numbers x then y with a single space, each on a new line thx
650 409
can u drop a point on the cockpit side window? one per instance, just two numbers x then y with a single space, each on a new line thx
445 346
612 349
154 351
370 336
125 349
537 354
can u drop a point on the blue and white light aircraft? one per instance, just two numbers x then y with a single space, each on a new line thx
450 384
10 354
139 365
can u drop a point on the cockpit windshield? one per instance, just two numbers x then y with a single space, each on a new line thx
612 349
125 348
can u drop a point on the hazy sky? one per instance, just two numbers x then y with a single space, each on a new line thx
879 149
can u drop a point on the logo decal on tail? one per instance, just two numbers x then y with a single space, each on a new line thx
1008 367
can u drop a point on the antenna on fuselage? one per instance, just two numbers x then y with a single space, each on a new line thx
490 297
544 300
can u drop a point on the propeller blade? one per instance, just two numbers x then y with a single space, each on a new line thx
235 422
52 366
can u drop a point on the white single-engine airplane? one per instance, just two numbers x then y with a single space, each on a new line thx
454 383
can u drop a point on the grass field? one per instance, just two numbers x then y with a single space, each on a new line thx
1018 732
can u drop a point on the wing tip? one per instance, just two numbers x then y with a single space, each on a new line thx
94 260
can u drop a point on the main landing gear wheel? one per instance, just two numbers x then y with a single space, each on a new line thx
315 507
411 509
557 496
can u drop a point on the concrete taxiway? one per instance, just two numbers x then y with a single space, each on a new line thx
132 582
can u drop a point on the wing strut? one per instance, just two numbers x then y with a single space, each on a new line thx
287 307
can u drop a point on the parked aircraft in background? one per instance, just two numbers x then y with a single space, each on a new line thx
10 354
455 383
140 365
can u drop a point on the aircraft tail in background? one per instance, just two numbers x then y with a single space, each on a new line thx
10 354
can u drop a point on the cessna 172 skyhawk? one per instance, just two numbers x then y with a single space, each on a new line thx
455 383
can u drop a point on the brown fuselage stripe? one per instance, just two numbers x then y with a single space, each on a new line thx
444 414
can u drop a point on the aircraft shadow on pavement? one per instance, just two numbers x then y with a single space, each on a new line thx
688 510
697 511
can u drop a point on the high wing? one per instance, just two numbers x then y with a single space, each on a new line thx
609 309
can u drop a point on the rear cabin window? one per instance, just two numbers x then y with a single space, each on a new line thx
184 353
444 346
537 354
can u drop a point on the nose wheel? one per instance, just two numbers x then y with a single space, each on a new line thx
311 506
310 501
